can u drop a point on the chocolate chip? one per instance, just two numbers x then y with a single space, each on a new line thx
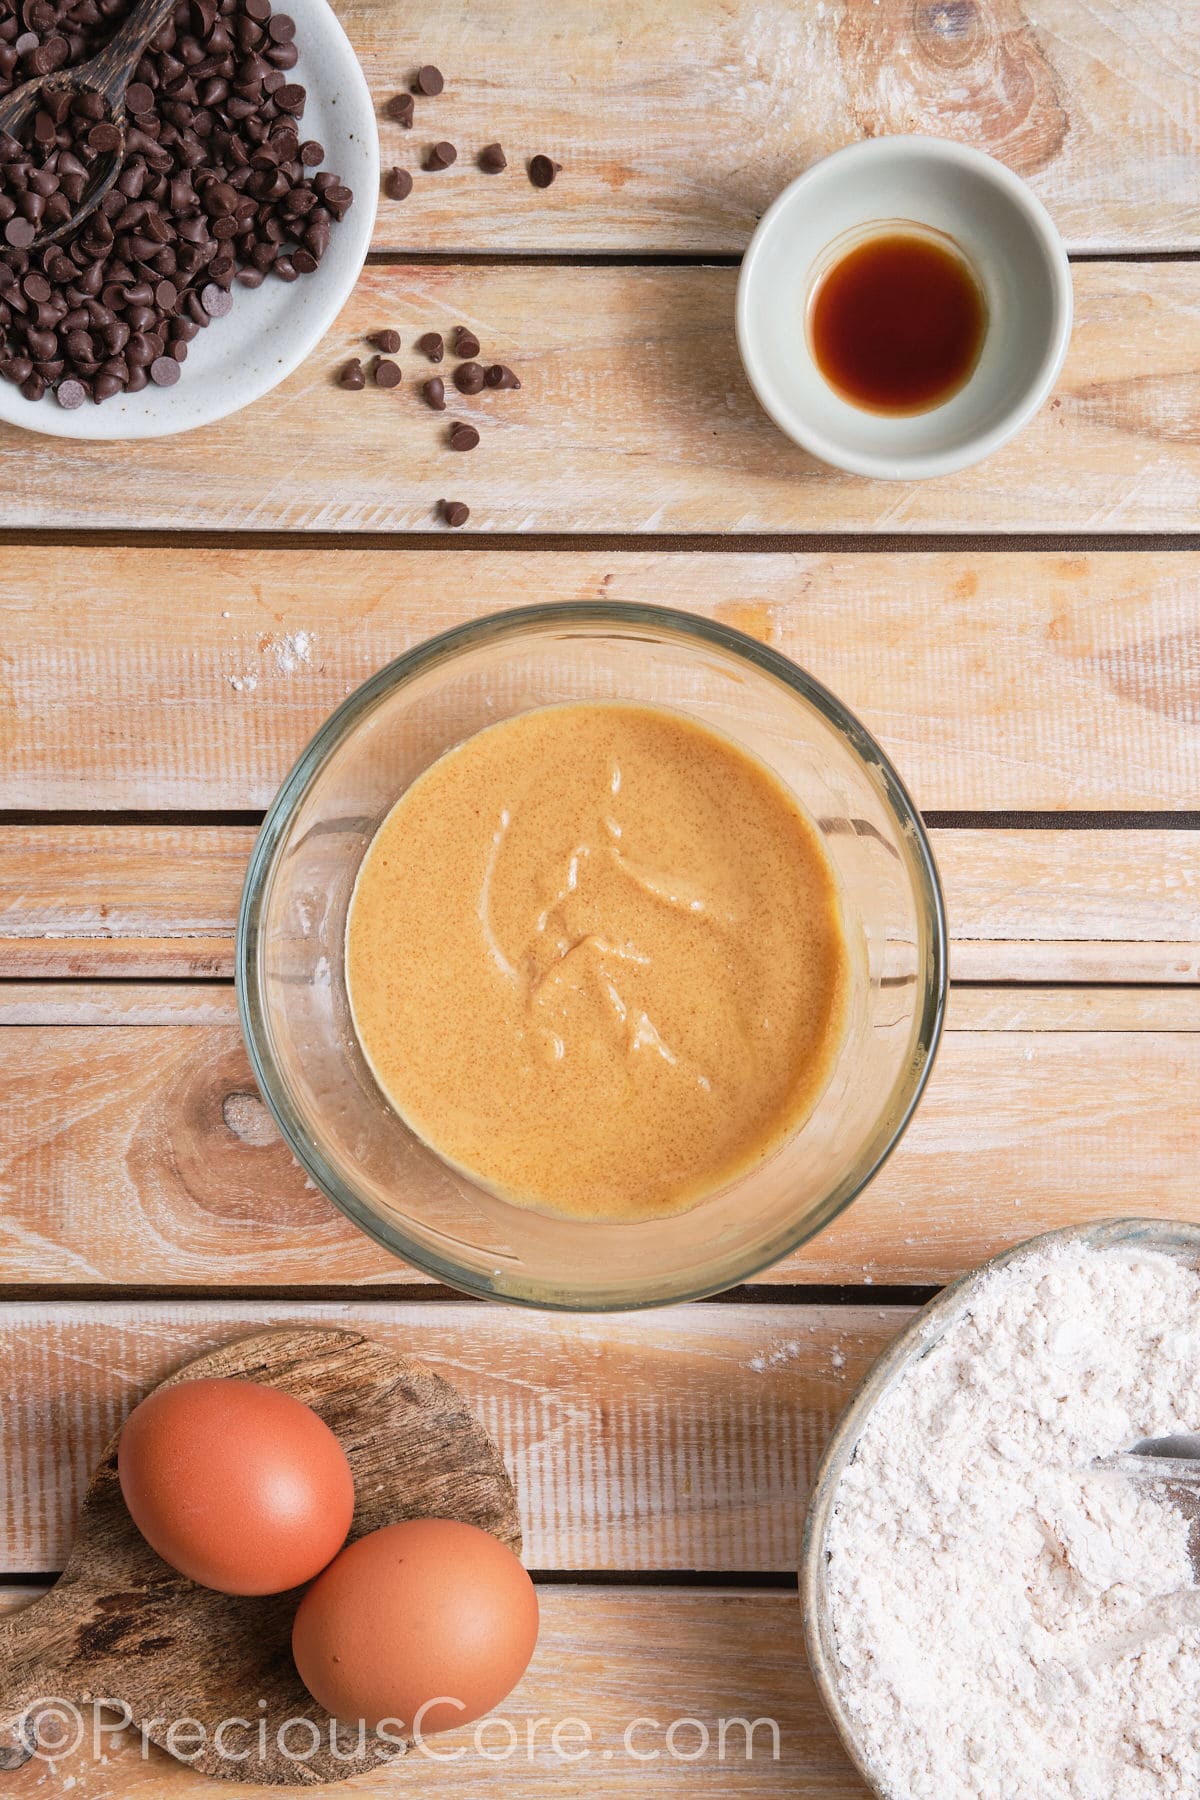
397 184
542 171
465 342
455 512
434 391
469 378
215 301
492 159
496 375
463 436
401 108
432 345
70 394
428 81
440 156
104 138
215 186
352 375
387 374
388 341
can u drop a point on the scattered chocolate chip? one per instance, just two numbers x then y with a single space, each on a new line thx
469 378
397 184
20 232
401 108
352 375
492 159
455 512
542 171
465 342
387 374
463 436
139 98
428 81
497 375
388 341
70 394
432 345
440 156
164 371
434 391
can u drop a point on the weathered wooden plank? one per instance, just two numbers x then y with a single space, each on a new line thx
1072 905
679 1439
141 900
97 902
143 1155
1057 1009
635 417
970 1006
677 125
121 1002
615 1658
1021 681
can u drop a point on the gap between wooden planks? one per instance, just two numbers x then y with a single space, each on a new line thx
677 124
635 417
167 679
610 1656
141 1155
97 902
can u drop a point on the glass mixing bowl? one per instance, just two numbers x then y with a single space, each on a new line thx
291 977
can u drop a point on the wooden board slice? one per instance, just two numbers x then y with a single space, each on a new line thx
121 1624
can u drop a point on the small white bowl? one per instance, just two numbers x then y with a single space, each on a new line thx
271 329
1007 236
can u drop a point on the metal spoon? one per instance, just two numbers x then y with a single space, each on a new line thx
108 74
1173 1459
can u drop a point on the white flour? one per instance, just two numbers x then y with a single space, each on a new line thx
1012 1625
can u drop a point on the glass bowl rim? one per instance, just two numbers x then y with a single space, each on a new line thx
254 1013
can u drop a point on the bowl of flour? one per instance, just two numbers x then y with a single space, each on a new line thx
991 1615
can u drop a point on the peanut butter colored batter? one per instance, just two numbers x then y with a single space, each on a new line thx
595 959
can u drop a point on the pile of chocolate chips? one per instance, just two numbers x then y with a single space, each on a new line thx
217 184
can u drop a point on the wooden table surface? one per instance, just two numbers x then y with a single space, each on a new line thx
1024 638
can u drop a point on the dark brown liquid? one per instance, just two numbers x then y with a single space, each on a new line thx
897 325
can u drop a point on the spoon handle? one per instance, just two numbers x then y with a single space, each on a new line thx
1178 1471
111 69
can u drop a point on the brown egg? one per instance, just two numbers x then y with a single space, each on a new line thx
240 1487
427 1611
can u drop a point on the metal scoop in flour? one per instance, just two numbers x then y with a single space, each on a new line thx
1171 1465
1174 1459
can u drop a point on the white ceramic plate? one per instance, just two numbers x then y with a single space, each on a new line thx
272 328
